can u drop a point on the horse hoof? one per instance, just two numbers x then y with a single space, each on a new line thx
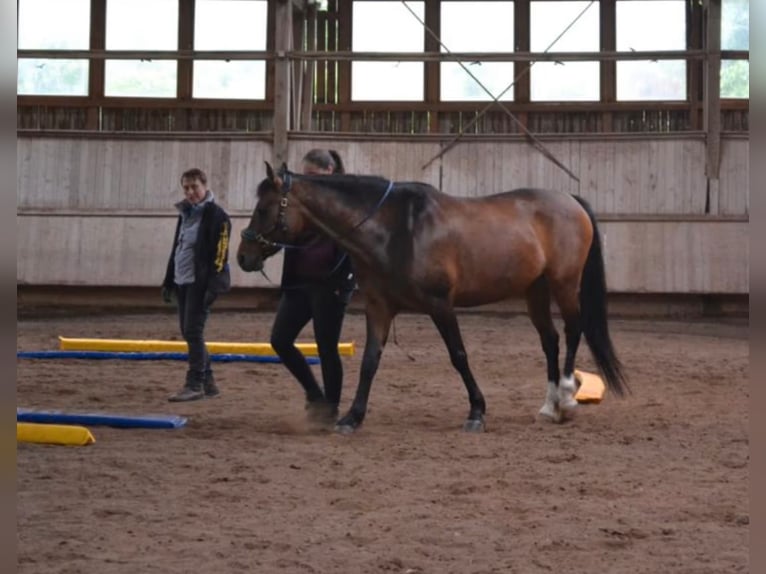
345 429
567 414
474 425
553 415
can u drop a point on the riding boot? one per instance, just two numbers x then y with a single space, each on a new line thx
209 386
192 389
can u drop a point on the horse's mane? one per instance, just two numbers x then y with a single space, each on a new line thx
346 182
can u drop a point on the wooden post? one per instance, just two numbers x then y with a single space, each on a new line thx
695 29
297 69
96 65
712 101
432 71
185 67
343 27
522 88
608 68
307 104
282 42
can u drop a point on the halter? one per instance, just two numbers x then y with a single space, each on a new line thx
281 223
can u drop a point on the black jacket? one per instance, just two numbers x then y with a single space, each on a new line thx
211 251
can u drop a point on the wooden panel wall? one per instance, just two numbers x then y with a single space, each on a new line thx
110 251
133 175
99 211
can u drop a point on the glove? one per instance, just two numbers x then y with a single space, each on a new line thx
167 294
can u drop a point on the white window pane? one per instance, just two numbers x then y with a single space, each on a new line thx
651 25
142 24
457 85
550 19
54 24
134 78
236 80
646 80
568 81
735 79
387 81
244 22
477 26
52 77
735 25
387 27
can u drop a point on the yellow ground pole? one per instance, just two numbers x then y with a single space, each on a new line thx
149 345
591 389
69 435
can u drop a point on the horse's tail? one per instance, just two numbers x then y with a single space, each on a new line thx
593 311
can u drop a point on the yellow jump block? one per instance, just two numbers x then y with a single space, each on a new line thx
69 435
149 345
591 389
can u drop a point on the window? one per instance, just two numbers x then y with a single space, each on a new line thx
735 35
477 27
651 25
245 25
53 76
129 28
387 26
568 81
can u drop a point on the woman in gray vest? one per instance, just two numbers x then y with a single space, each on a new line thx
197 272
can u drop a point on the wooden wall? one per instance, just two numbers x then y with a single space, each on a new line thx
99 211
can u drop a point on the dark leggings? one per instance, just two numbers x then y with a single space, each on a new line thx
193 310
296 308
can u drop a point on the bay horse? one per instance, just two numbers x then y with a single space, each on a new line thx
414 248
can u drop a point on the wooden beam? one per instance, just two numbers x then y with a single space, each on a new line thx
283 20
348 55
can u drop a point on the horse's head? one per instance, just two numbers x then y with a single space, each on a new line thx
276 221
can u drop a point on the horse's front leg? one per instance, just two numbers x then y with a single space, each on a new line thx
446 322
378 325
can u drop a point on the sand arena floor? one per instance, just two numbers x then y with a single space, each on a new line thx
654 483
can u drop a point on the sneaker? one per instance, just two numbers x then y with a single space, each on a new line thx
209 387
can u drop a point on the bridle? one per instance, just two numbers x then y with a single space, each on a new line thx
280 224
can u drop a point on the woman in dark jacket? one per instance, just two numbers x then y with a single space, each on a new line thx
317 284
197 272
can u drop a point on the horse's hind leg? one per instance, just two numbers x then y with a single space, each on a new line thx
567 297
446 322
539 307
